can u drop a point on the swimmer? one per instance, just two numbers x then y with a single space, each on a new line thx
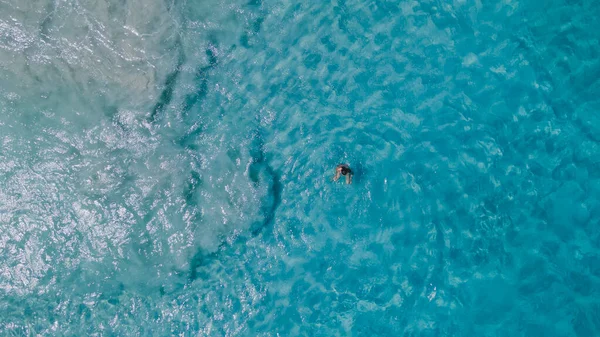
343 169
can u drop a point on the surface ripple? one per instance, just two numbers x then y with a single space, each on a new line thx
166 168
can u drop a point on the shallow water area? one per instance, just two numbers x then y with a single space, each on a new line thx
166 168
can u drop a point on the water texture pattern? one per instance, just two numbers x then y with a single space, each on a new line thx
165 168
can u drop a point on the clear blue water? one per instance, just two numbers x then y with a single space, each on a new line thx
165 168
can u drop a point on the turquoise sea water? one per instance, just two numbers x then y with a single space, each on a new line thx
165 168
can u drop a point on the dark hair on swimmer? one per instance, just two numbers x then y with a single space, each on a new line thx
345 170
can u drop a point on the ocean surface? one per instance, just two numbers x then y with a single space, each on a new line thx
165 168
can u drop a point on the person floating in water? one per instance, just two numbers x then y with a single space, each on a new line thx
343 169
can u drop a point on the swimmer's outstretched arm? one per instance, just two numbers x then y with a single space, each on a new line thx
349 178
338 172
